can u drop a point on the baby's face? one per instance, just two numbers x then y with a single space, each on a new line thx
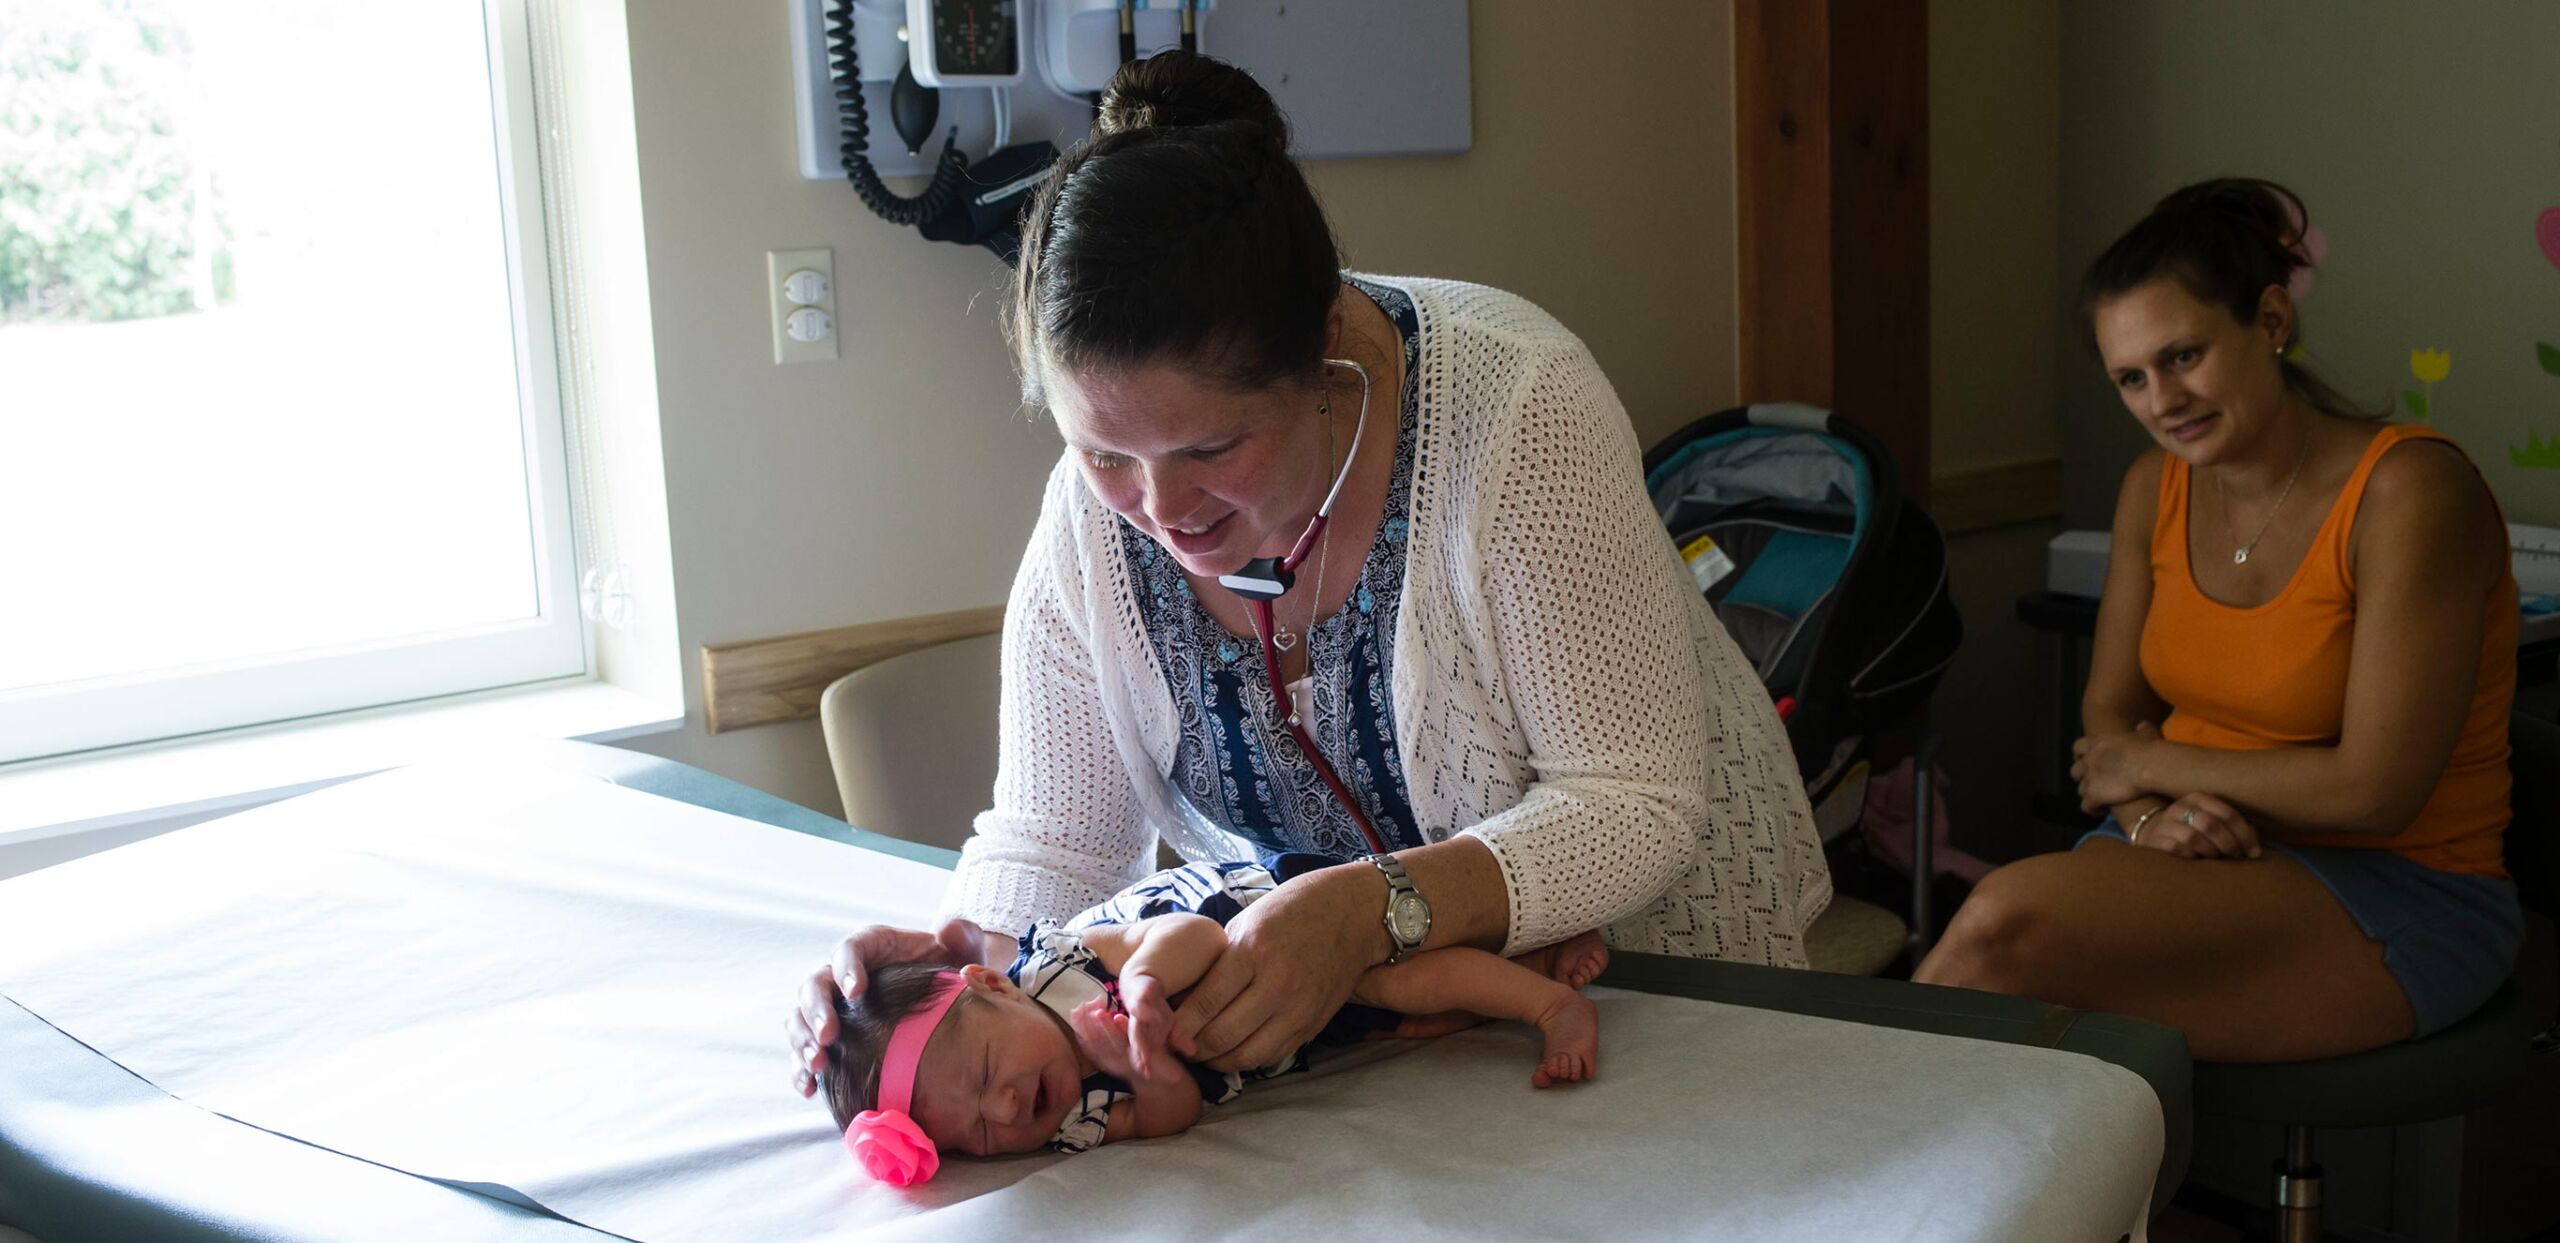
999 1074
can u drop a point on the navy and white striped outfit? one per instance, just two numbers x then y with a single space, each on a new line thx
1059 972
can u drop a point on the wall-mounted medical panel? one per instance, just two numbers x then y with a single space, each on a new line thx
1356 77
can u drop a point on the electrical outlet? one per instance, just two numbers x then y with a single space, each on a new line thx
801 286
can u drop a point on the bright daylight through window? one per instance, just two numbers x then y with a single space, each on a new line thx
279 429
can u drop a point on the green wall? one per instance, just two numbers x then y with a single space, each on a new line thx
2426 140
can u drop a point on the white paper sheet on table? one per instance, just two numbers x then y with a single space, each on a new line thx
549 984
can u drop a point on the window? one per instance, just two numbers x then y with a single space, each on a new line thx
280 427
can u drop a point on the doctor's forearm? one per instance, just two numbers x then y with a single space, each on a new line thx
1469 903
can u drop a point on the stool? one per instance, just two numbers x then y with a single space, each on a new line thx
2444 1075
2447 1074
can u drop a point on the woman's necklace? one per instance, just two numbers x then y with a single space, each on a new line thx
1281 636
2240 555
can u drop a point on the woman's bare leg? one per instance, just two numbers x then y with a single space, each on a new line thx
2252 958
1439 981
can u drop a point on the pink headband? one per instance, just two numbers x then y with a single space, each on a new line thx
887 1140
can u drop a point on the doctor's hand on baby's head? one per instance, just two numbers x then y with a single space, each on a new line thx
812 1025
997 1075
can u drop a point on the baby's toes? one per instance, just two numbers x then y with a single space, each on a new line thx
1592 964
1556 1068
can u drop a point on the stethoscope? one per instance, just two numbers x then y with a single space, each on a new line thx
1265 579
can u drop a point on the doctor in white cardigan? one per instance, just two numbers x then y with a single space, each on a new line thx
1559 736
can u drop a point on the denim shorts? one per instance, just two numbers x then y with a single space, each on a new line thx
2449 938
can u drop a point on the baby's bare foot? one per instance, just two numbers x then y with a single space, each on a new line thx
1572 1030
1581 960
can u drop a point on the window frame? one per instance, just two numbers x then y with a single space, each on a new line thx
554 644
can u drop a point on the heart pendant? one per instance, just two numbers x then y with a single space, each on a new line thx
1283 640
2240 556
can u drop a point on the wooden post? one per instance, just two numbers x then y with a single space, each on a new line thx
1831 111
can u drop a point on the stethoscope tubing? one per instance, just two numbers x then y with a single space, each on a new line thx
1264 628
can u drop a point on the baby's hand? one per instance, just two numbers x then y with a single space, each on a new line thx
1150 1020
1104 1034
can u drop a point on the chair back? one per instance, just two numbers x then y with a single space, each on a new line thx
912 740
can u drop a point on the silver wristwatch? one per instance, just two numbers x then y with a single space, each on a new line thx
1408 917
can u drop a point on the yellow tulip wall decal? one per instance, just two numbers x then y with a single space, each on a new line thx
2431 367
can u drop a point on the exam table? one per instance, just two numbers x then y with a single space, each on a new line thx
89 1150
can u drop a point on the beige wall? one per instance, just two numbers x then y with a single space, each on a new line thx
901 480
1994 150
1994 147
2420 135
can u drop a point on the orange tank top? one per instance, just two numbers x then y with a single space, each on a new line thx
2248 679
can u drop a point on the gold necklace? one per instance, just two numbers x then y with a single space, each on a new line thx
2240 555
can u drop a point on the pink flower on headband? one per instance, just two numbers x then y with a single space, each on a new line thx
892 1148
2311 246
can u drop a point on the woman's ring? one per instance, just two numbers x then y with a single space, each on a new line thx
2189 817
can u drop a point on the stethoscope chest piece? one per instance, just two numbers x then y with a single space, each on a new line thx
1263 578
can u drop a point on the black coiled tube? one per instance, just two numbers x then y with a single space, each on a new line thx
853 119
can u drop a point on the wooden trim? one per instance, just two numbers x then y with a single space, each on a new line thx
1831 120
761 681
1782 212
1997 496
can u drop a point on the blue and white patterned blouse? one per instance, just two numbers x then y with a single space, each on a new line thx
1059 971
1226 763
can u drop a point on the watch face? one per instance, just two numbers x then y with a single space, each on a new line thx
1412 918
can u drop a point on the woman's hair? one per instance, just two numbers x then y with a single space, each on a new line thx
1181 232
2224 241
850 1080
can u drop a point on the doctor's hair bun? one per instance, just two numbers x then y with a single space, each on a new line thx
1173 90
1181 233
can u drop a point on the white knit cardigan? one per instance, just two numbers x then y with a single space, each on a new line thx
1560 690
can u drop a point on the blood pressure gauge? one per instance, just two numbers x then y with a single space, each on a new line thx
966 42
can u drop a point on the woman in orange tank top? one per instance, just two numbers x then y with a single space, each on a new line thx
2297 701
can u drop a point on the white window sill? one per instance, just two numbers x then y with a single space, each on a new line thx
215 773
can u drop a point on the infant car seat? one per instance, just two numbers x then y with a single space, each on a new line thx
1793 522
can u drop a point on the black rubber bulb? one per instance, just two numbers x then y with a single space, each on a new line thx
913 108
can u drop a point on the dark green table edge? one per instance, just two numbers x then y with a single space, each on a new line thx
89 1151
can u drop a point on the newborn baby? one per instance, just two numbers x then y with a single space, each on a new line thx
1068 1048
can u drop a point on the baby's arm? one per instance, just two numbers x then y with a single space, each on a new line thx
1173 950
1155 959
1162 1100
